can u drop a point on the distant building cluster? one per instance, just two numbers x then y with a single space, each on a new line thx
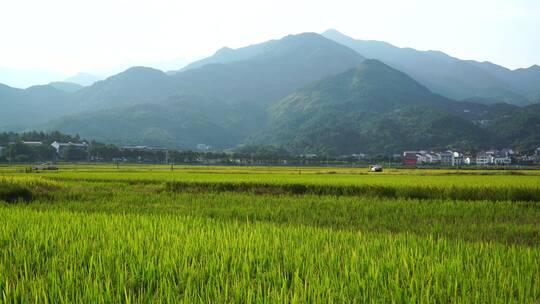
455 158
203 147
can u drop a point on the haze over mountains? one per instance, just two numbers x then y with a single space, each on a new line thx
449 76
306 93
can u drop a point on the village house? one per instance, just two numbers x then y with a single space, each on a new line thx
468 160
506 152
502 160
410 158
485 158
61 147
447 158
494 157
32 143
429 158
142 148
457 159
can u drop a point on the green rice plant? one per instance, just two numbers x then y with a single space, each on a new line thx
65 257
270 235
513 193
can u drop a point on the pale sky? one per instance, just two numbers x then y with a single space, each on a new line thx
70 36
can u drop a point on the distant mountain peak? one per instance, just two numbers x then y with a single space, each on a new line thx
137 72
83 79
334 32
141 69
335 35
225 50
297 43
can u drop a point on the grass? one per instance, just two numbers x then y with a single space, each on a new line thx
227 235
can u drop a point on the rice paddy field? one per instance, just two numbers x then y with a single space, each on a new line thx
140 234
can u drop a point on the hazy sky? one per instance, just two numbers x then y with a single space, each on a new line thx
68 36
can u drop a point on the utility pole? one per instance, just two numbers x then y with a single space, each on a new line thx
9 152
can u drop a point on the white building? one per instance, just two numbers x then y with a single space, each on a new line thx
494 157
142 148
447 158
503 160
60 147
484 158
32 143
457 159
203 147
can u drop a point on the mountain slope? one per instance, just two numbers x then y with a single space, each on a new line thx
228 55
37 104
526 80
373 108
180 122
246 87
68 87
133 86
519 129
443 74
284 66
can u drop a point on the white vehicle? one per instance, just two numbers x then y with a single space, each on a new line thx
375 168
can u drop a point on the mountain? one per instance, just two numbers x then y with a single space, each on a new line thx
180 122
373 108
443 74
37 104
248 85
133 86
83 79
287 65
269 71
68 87
304 92
228 55
141 105
525 80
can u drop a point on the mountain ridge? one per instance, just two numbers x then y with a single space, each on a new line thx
441 73
373 109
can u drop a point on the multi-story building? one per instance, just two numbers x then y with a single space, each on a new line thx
494 157
484 158
447 158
